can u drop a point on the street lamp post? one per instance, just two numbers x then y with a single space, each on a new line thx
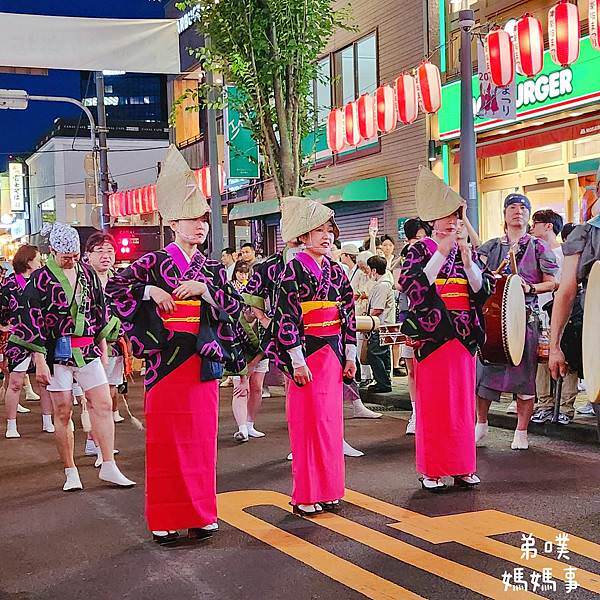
468 156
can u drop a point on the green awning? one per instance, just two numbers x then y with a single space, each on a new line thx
584 166
373 189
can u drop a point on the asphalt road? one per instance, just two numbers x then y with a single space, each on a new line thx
94 544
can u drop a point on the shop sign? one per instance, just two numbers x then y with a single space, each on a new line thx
241 148
555 89
188 19
15 182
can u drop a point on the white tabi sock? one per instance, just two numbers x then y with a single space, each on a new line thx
110 472
350 451
481 430
11 429
254 432
47 424
73 482
520 441
362 412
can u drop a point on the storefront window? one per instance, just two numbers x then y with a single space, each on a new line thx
356 69
497 165
587 146
544 155
322 90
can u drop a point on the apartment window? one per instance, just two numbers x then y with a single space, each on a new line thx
356 69
322 90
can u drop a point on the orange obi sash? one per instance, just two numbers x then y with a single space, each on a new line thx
454 292
321 318
81 342
186 317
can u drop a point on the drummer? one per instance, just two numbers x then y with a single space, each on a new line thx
536 264
446 290
581 251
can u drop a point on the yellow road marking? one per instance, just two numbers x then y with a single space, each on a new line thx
233 504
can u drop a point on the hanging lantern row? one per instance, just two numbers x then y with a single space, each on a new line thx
138 201
203 179
524 52
362 119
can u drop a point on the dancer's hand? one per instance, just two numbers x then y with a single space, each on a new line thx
42 372
445 241
190 289
557 363
163 299
302 375
349 369
465 253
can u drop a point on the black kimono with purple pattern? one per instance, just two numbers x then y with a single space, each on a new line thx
11 309
299 285
163 349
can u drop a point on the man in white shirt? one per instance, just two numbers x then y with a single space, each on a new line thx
546 225
383 305
228 258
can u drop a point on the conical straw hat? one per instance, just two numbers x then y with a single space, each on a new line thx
301 215
178 193
435 199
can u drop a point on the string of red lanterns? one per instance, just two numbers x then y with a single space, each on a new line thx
142 200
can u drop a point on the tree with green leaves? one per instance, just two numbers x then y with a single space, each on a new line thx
268 49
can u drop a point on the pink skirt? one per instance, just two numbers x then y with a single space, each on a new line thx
316 427
181 450
445 433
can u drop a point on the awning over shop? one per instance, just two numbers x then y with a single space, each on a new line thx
584 166
527 139
373 189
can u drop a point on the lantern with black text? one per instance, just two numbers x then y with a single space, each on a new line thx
529 46
336 131
594 23
563 33
407 98
499 54
386 109
367 120
429 86
353 137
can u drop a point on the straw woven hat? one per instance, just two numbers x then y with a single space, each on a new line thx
178 193
435 199
301 215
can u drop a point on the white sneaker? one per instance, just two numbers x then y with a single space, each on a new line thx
254 433
481 431
12 434
22 409
31 396
211 527
412 425
117 418
586 409
362 412
90 448
520 441
47 425
350 451
511 409
72 482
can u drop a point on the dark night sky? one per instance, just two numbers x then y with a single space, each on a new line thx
21 129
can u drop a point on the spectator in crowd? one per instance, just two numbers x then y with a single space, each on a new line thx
241 275
348 255
567 230
546 226
248 254
388 248
362 284
228 258
336 252
382 305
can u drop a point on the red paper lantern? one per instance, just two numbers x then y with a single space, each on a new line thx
500 57
336 130
113 205
151 198
529 47
563 33
353 137
407 98
203 179
386 109
367 119
594 23
429 85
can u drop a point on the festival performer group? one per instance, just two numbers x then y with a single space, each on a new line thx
194 322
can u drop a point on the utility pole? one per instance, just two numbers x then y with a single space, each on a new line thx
216 210
103 149
468 156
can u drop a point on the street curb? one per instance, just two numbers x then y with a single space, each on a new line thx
574 432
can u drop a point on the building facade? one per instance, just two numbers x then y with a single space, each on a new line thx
551 150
